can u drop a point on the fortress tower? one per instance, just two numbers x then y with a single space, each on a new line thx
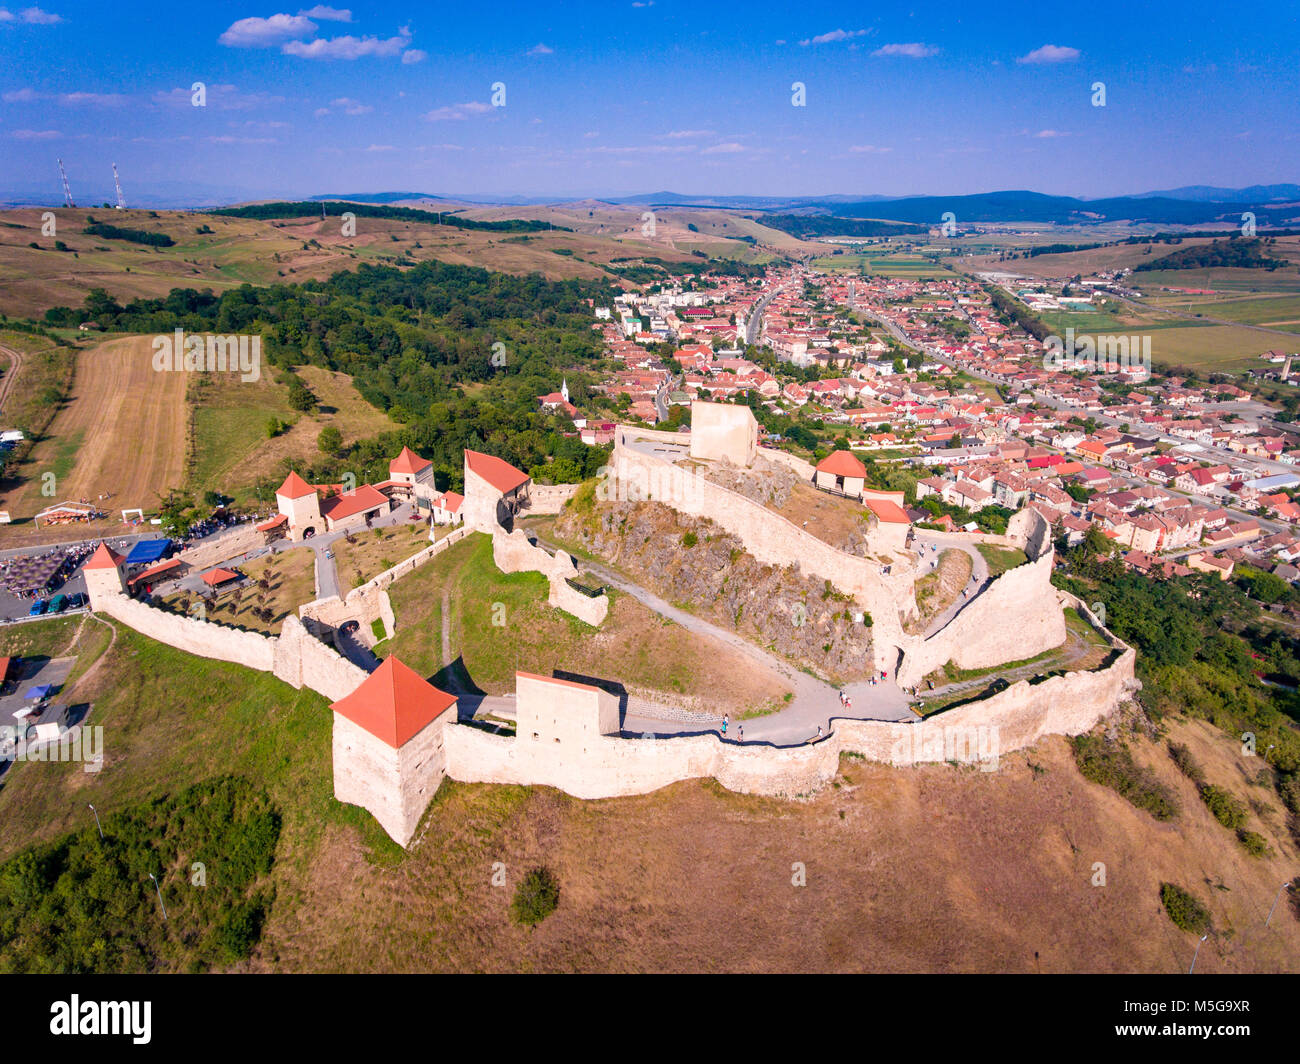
297 500
389 753
103 574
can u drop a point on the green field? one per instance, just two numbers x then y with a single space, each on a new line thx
902 267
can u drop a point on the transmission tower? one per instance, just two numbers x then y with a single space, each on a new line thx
121 200
67 192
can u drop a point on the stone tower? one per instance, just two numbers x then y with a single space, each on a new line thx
389 752
103 574
298 501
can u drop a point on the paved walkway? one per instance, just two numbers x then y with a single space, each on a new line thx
814 704
979 576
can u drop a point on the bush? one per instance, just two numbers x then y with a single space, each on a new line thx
1254 843
1182 757
690 539
1113 766
536 897
1226 809
1184 910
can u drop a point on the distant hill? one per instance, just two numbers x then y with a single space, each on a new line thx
1212 193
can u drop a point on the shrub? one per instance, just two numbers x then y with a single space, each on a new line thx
1184 910
1113 766
690 539
1182 757
1254 843
535 898
1226 809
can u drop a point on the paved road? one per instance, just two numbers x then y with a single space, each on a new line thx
815 701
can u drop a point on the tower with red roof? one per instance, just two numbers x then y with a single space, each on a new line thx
103 573
389 750
299 502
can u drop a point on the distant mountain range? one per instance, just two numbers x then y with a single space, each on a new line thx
1273 205
1190 205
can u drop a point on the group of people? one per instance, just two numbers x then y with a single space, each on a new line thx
740 728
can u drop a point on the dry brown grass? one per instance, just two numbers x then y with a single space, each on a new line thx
122 432
375 550
292 582
928 869
831 518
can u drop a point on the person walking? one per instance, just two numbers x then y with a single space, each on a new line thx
740 733
724 724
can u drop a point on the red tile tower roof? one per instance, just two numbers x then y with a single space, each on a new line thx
394 703
501 475
104 557
294 487
408 462
841 464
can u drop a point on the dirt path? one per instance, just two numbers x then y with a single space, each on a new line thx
11 374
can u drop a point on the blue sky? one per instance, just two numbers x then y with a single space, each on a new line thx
625 97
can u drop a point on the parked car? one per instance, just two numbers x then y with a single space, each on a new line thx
58 604
38 607
76 601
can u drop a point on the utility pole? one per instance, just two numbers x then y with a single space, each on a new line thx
164 907
1197 954
1284 886
67 192
101 826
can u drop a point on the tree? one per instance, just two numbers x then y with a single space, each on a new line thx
330 441
536 897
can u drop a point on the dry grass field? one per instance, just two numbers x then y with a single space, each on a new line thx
933 869
245 250
936 868
121 433
230 418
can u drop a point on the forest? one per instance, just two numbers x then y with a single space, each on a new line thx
458 355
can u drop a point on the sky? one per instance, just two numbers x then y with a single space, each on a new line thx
637 96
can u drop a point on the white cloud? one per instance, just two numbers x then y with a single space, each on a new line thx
228 139
457 112
92 99
348 47
1050 53
729 148
834 35
33 16
328 14
265 32
36 134
540 49
414 55
350 106
381 147
591 136
219 98
1048 133
20 96
869 149
910 51
678 134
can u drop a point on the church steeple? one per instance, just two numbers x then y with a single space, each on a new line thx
564 389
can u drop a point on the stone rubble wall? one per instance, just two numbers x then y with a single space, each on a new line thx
549 498
514 552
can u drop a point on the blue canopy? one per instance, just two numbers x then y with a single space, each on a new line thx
40 690
148 550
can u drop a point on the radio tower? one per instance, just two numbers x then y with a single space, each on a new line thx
67 192
121 201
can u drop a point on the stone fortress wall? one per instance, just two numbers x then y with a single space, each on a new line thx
1015 617
607 766
294 656
514 552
